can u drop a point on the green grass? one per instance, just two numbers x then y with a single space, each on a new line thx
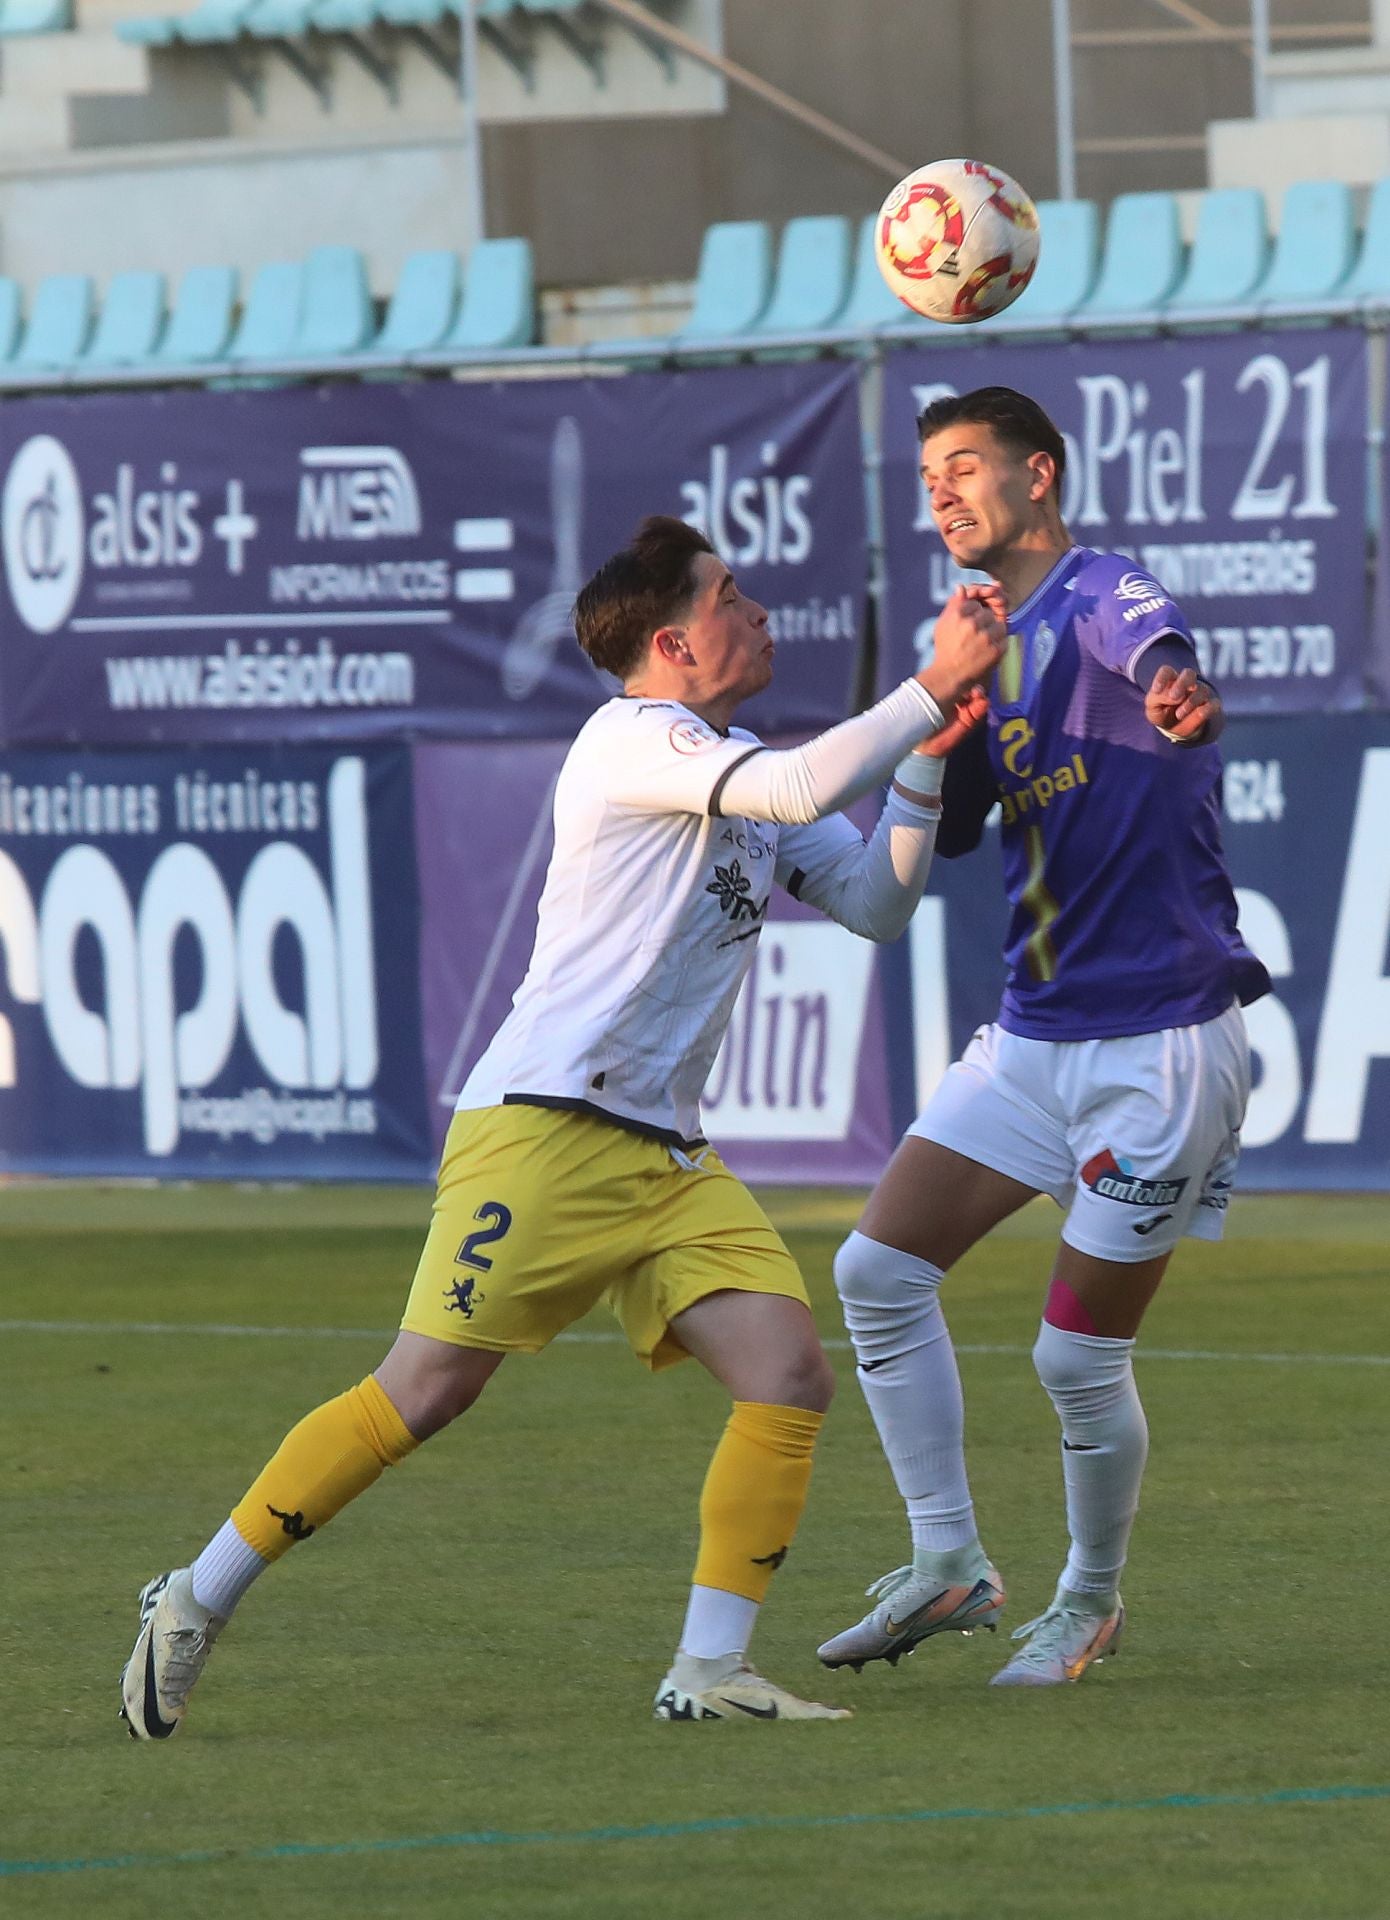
473 1647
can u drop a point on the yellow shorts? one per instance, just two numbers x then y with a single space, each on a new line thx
542 1212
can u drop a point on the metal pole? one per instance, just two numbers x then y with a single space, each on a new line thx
1066 106
1259 57
472 123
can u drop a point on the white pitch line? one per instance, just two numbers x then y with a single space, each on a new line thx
223 1331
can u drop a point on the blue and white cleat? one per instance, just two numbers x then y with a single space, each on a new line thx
1078 1630
171 1649
912 1606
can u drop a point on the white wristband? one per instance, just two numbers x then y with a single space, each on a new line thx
921 774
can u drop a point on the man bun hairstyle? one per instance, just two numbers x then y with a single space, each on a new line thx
1016 420
648 584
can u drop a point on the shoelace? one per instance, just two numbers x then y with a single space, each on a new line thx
186 1649
889 1583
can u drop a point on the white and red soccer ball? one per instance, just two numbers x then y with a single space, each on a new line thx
957 240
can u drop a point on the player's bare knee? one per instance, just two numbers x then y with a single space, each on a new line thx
799 1377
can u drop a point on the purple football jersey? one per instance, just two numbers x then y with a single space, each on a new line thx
1123 916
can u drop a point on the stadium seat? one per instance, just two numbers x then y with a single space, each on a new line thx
1315 245
336 315
200 325
812 280
149 30
345 16
1369 279
35 16
499 298
871 302
1143 258
733 281
11 318
1230 251
130 322
269 323
1066 271
278 19
60 321
423 304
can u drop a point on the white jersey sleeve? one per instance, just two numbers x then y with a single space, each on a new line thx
873 890
680 764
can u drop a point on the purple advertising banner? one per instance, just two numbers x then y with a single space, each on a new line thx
1305 802
800 1089
365 560
208 965
1232 468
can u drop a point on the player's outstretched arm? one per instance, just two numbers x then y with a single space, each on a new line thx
1184 708
874 890
823 777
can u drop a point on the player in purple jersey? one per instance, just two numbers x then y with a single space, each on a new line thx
1116 1075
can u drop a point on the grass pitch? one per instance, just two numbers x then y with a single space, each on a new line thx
440 1705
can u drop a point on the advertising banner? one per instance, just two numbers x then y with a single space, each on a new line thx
209 967
372 560
1306 802
800 1089
1231 468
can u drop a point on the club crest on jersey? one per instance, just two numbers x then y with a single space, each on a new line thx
692 736
1044 646
1115 1179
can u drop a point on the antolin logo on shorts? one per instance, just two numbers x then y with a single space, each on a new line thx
1115 1179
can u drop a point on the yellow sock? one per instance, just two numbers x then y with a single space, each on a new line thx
753 1496
335 1453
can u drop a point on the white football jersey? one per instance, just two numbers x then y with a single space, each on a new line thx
648 921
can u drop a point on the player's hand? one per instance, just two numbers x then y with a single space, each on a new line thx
970 711
970 640
1183 707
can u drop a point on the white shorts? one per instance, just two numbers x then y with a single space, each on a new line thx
1136 1139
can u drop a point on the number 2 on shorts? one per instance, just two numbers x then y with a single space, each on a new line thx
499 1221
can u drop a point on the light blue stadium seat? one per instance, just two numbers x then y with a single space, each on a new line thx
336 314
130 322
200 325
499 298
423 304
212 22
1143 258
269 323
733 282
1370 278
278 19
344 16
11 318
60 321
1230 251
1315 245
812 279
413 13
871 303
149 30
1068 261
35 16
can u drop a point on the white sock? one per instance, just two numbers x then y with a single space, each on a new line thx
1105 1442
907 1370
717 1623
224 1570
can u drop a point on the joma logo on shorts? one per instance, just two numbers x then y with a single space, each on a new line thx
1113 1180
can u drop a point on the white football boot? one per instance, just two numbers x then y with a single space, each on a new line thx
728 1689
173 1643
912 1606
1078 1630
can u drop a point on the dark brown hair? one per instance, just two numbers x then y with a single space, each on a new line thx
1018 421
648 584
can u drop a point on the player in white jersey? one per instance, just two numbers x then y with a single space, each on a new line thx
575 1169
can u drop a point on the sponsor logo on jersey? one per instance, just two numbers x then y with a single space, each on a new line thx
1037 795
733 889
1114 1179
1138 586
692 736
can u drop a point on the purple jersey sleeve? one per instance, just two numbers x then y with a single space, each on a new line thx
1121 611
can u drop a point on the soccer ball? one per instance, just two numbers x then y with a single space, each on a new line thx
957 240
